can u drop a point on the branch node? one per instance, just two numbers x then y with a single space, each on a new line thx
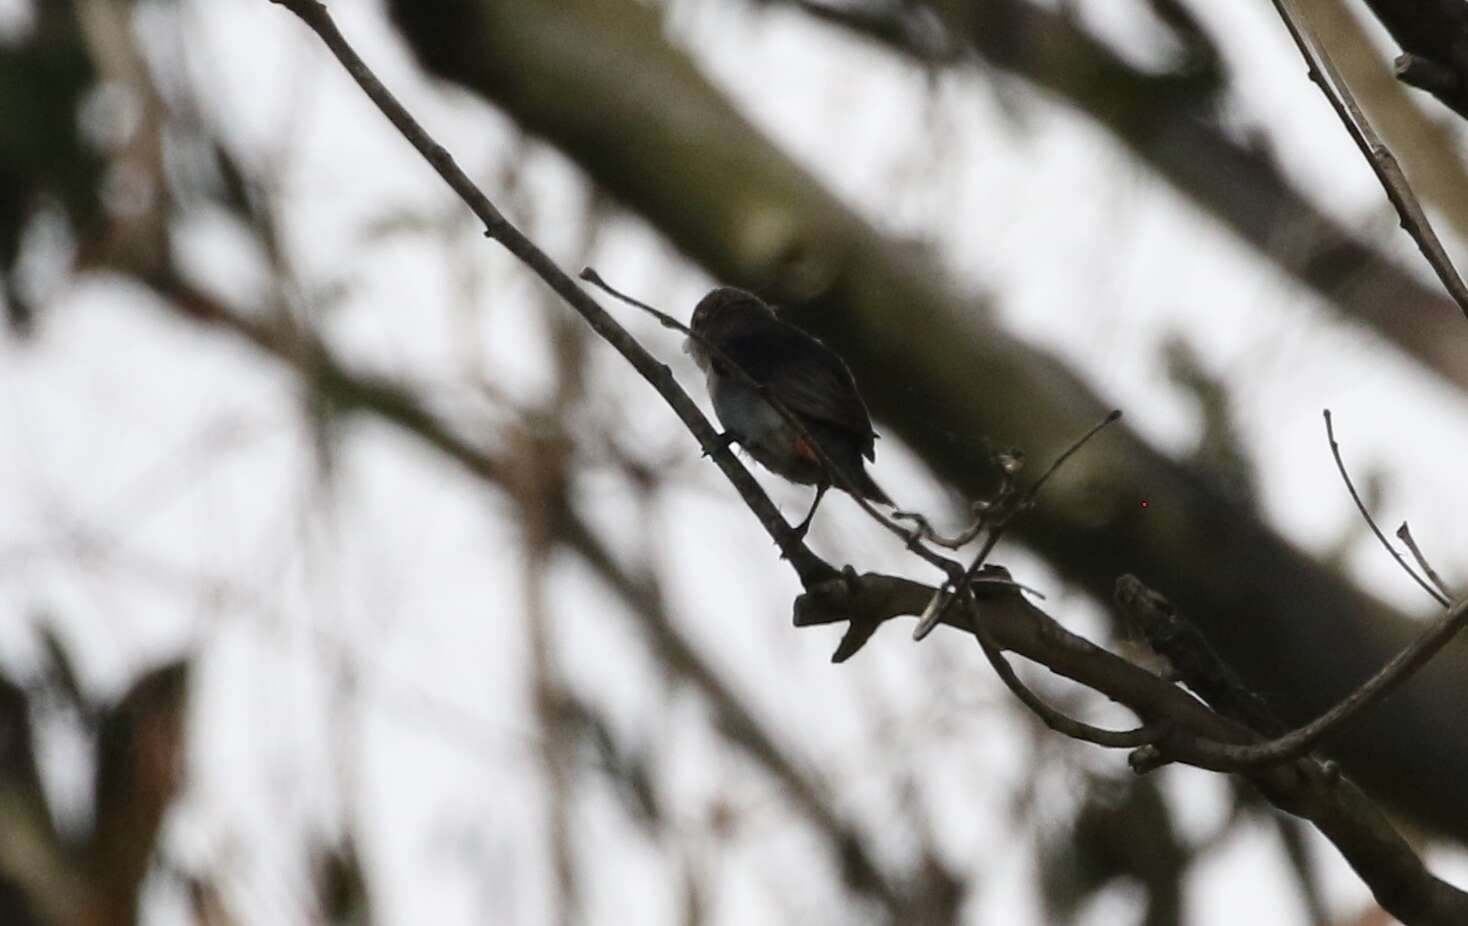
1426 74
1146 759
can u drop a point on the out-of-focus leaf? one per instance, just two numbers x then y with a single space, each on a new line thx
1220 450
61 677
341 885
1122 831
15 907
37 884
207 904
139 761
44 159
627 767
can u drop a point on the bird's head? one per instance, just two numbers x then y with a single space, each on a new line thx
720 315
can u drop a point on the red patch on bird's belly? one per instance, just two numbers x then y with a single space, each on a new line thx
806 450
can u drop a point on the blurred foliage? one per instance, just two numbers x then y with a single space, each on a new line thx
1123 830
341 885
54 876
45 161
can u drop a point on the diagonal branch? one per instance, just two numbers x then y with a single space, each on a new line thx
1206 673
806 564
1383 163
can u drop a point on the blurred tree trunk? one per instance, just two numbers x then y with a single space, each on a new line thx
597 78
1167 121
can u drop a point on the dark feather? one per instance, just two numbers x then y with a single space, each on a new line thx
806 375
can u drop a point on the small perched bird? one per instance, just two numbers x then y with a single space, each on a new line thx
806 376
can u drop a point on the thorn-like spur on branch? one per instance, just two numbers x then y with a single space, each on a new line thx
1426 74
1335 451
1176 727
1004 511
837 475
1383 163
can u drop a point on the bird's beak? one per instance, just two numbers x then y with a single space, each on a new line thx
692 348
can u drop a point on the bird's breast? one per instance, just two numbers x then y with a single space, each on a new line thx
761 429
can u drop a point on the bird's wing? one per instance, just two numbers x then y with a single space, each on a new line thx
808 377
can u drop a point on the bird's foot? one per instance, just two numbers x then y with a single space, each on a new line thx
724 440
800 530
804 526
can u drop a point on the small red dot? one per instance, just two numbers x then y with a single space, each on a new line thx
1146 504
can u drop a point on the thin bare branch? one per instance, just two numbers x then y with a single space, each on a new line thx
806 564
1391 677
1335 451
1378 155
1113 416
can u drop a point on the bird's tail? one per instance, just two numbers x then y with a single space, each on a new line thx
869 488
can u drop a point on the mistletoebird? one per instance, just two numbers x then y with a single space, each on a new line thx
732 327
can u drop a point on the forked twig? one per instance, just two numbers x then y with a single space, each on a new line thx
1335 450
943 599
1404 534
